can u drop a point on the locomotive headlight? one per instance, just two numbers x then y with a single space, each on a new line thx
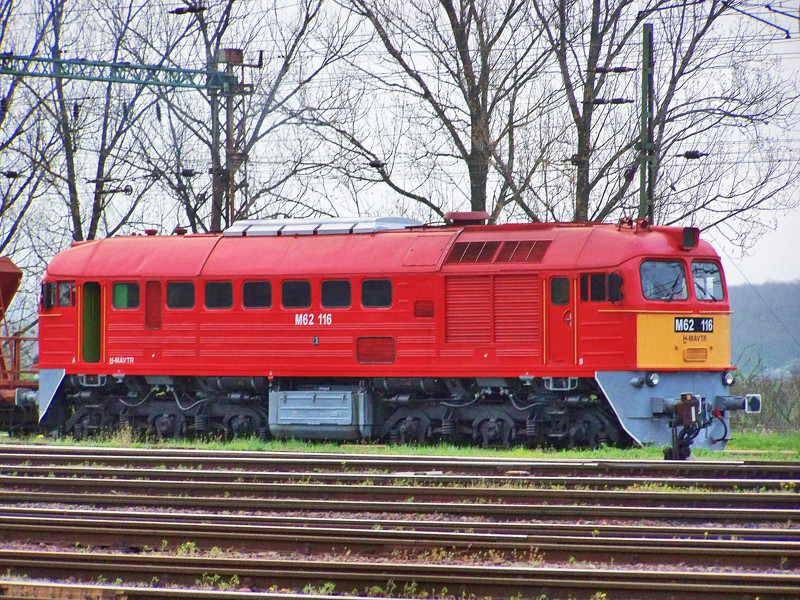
652 379
728 379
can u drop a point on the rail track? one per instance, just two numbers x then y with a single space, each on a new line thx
486 528
399 464
457 579
134 532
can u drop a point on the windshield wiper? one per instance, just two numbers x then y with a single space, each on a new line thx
705 292
671 294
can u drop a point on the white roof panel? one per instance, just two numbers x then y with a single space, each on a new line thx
326 226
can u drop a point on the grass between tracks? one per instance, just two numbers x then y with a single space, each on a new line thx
743 446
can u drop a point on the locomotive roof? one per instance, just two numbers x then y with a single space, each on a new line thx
410 248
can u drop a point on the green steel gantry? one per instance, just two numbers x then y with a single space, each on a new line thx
95 70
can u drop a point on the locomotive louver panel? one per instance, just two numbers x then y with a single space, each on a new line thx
516 309
525 251
503 309
468 306
375 350
472 252
531 251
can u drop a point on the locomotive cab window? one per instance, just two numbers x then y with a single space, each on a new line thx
376 293
336 294
48 299
707 280
559 291
601 287
66 293
663 280
61 294
257 294
219 294
180 294
125 295
296 294
593 287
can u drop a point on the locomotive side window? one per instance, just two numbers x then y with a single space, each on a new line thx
663 280
707 281
336 294
376 293
125 295
48 299
559 291
257 294
180 294
219 294
593 287
296 294
66 293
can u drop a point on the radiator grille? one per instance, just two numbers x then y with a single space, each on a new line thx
516 309
500 308
468 309
531 251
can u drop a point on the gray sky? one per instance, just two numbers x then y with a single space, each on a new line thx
776 256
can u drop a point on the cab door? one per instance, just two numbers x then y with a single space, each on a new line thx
91 321
560 320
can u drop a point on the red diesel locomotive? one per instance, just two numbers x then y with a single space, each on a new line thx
560 333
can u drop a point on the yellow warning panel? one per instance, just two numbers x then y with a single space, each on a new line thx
681 341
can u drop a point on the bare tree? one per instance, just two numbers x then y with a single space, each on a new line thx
461 79
92 171
700 108
25 143
286 49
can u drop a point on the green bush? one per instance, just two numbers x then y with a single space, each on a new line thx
780 402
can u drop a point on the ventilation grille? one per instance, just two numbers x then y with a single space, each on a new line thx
531 251
517 302
500 308
468 309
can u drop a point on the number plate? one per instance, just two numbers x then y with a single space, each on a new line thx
694 325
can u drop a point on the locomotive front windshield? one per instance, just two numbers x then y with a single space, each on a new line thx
666 280
663 280
707 281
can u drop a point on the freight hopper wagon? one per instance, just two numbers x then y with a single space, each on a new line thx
564 334
17 380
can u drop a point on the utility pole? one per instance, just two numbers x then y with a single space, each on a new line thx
234 158
646 147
